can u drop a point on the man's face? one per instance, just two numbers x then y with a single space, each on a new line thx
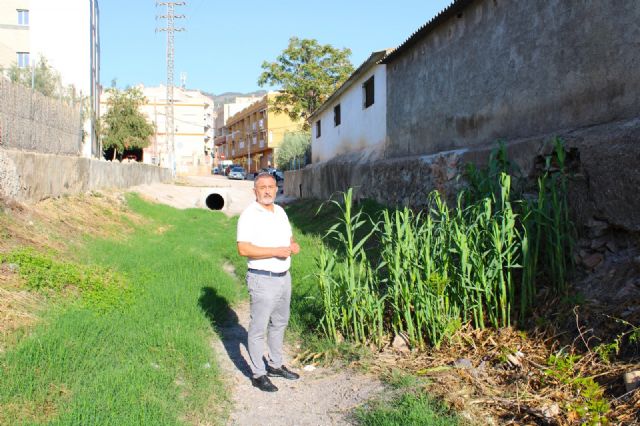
265 189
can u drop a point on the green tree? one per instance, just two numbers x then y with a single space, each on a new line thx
294 147
307 72
123 126
43 78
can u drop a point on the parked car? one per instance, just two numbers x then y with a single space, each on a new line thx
237 173
227 170
278 174
215 170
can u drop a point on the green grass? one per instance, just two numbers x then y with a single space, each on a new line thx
306 305
410 406
147 361
408 409
127 338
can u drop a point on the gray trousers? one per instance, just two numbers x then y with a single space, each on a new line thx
270 298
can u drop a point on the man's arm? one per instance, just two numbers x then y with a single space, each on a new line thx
256 252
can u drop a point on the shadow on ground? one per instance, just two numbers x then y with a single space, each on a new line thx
225 321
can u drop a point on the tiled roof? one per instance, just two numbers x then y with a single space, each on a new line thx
453 9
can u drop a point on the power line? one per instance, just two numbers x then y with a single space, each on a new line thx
170 29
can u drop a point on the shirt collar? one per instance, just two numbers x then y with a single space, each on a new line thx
260 208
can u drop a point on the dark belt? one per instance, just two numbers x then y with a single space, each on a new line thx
267 273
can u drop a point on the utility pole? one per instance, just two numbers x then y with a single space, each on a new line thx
170 128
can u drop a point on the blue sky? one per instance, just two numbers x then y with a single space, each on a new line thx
225 42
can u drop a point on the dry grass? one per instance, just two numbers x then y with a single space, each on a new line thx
59 225
32 412
479 373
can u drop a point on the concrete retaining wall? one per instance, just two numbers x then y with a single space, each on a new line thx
28 176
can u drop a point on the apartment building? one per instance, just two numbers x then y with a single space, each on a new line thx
221 114
193 137
67 35
254 135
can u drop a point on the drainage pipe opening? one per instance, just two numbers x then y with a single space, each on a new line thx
214 201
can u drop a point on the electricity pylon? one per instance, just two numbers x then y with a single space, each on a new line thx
170 29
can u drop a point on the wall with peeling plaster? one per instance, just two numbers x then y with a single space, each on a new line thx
514 69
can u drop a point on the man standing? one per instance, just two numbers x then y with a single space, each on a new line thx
265 238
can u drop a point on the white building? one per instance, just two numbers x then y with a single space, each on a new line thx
66 34
352 121
193 138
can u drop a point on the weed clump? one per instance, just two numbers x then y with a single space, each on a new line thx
100 289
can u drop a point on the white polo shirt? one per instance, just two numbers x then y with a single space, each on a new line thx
263 228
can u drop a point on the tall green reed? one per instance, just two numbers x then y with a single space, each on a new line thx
477 262
353 305
416 280
548 226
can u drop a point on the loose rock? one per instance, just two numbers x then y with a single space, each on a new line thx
597 228
592 261
550 411
400 343
463 363
632 380
514 360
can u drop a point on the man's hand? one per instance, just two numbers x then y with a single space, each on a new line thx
282 252
294 247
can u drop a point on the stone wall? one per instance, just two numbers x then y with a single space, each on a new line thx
28 176
513 69
604 188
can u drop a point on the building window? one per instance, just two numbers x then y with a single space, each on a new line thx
23 17
336 115
367 93
23 59
318 129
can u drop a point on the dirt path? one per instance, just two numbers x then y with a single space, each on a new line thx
321 397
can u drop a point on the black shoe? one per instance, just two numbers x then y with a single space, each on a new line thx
282 372
264 384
